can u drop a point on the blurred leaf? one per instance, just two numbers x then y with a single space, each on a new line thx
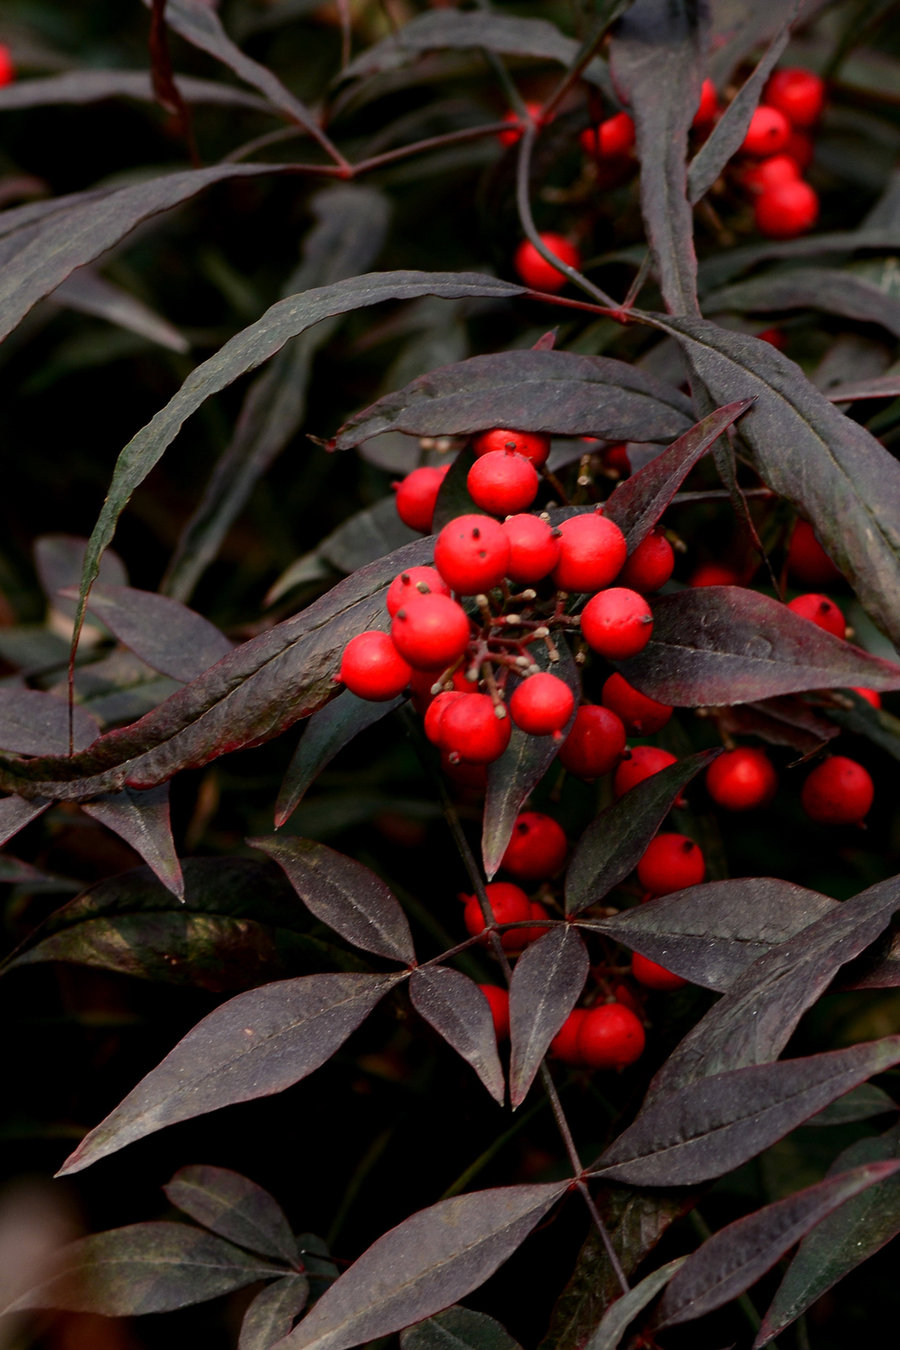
366 536
546 983
256 1044
656 61
16 813
171 638
59 559
456 1008
861 1103
344 894
92 86
725 644
273 1312
786 720
235 1208
821 288
625 1309
845 1239
458 1328
144 1268
877 386
613 844
15 872
707 1128
429 1261
719 267
552 391
89 293
35 723
453 498
739 28
142 820
738 1255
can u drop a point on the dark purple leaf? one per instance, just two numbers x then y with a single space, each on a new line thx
613 844
454 498
513 776
787 721
860 1103
878 386
92 86
710 934
551 391
16 813
738 1255
707 1128
877 968
458 1328
171 638
273 1313
719 268
145 1268
843 1240
325 734
344 894
366 536
256 1044
625 1309
456 1008
725 644
657 61
426 1263
235 1208
14 872
637 503
35 723
88 293
821 288
739 29
142 820
546 982
59 559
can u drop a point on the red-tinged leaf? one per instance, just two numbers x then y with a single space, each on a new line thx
142 820
35 723
820 288
344 894
625 1309
16 813
325 734
738 1255
710 934
273 1313
787 720
753 1021
878 386
171 638
513 777
145 1268
456 1008
256 1044
426 1263
59 559
93 86
559 392
547 980
657 61
613 844
877 968
234 1207
637 503
458 1329
843 1240
88 293
724 644
703 1130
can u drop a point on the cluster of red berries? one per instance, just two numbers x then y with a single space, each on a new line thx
776 151
7 68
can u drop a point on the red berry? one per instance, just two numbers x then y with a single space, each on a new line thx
502 482
708 107
617 623
537 847
372 668
469 777
564 1045
595 743
432 632
868 695
533 548
838 792
774 337
541 704
650 565
535 271
534 445
592 552
741 779
821 611
767 133
498 1002
7 69
417 494
799 94
640 762
610 1037
653 976
642 715
514 133
786 211
808 563
713 574
800 147
434 714
470 729
508 903
529 935
472 554
609 139
406 587
770 173
671 862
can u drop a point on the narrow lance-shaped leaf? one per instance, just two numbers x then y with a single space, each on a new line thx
456 1008
273 1313
344 894
234 1207
142 820
92 86
458 1328
546 982
821 288
429 1261
625 1309
256 1044
16 813
89 293
171 638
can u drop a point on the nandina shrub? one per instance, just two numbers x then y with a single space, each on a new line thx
276 252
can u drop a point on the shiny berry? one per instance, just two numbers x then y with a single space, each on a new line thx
708 107
413 583
595 743
434 714
609 139
640 762
642 715
786 211
838 792
534 445
7 69
770 173
650 565
767 133
542 704
470 729
671 862
498 1002
372 668
821 611
508 904
535 271
432 632
807 561
798 93
502 482
417 495
870 696
464 775
653 976
610 1037
592 552
741 779
472 554
564 1045
542 923
617 623
537 847
533 548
